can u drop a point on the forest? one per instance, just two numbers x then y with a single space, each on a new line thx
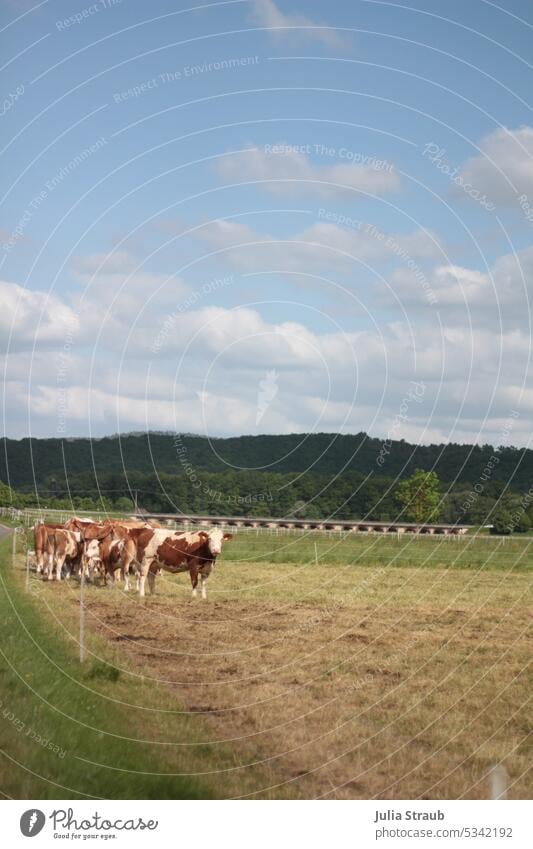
302 475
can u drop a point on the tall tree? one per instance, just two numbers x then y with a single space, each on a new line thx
419 497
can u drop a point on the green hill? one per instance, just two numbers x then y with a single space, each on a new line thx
25 462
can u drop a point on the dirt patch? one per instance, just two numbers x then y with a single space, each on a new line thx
419 705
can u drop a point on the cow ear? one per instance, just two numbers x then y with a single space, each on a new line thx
227 536
203 535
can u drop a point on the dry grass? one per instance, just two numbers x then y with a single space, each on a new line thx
330 681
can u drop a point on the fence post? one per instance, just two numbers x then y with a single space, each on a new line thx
82 615
27 579
14 548
498 782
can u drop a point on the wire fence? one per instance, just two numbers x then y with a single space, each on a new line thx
29 516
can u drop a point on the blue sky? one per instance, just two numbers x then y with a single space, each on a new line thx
262 216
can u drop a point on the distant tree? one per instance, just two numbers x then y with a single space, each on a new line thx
302 510
88 503
502 523
523 525
6 496
419 497
123 504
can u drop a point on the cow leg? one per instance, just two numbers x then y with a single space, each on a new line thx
204 591
60 559
84 567
48 565
70 566
151 582
124 573
48 559
193 572
127 561
142 573
142 579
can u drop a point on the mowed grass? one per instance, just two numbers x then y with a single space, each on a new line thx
392 550
83 730
399 671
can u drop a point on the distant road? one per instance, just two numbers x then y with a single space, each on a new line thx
4 531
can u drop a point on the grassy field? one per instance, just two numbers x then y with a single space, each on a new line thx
406 550
71 730
393 668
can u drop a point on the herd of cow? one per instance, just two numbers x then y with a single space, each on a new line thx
110 549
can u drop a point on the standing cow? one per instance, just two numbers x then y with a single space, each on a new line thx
111 547
91 533
40 544
194 553
105 555
62 547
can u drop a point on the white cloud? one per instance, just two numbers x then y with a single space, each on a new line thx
95 406
504 292
29 317
287 171
505 167
288 27
328 381
208 370
246 340
322 246
112 283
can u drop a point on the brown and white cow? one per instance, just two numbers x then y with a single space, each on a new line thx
194 553
62 546
111 548
130 537
105 555
40 543
90 533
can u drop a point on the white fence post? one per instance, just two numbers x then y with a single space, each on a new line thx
82 615
27 579
498 782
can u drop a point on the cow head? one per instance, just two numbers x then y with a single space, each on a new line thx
92 553
214 540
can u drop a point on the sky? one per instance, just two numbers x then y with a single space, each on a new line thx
267 216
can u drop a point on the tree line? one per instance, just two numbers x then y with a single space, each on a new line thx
351 495
27 462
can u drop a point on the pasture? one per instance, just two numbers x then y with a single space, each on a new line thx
372 667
